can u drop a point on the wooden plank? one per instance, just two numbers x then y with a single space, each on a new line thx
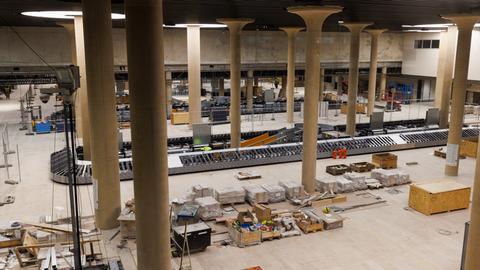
253 141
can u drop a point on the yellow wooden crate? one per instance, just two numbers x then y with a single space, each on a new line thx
469 148
179 118
438 197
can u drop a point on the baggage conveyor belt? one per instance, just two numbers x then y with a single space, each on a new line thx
263 155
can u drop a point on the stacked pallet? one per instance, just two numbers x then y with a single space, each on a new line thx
328 185
275 193
230 195
209 208
200 191
390 178
293 190
256 194
344 185
357 179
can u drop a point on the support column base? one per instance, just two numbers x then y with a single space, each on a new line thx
451 170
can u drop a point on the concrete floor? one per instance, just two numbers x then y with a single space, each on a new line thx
382 237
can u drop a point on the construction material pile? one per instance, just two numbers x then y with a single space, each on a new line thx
256 194
209 208
230 195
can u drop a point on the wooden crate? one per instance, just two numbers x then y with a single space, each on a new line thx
338 169
309 227
439 197
361 108
243 238
469 148
180 118
361 167
331 220
343 108
266 236
385 160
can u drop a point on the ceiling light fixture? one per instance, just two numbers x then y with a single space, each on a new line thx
64 14
202 25
423 31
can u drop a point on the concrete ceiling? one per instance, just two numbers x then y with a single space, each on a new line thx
269 14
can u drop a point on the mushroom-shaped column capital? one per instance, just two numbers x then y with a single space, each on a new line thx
463 21
356 27
314 16
235 24
375 32
291 31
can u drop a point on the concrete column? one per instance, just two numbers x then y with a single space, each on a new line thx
339 86
283 90
194 76
235 27
355 29
446 84
291 34
168 91
314 16
470 97
442 57
149 131
372 80
383 82
472 261
81 99
250 90
221 87
321 85
97 22
465 26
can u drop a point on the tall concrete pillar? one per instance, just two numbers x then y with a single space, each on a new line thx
372 80
442 57
314 16
291 34
472 261
81 99
383 82
470 97
168 90
250 90
283 90
97 22
447 78
465 25
194 76
321 85
235 27
221 87
355 29
149 131
339 86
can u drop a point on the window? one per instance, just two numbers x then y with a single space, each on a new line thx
427 44
418 44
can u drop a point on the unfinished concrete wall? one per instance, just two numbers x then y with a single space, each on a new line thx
257 47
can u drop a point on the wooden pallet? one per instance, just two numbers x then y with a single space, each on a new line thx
362 167
308 227
337 169
385 160
269 236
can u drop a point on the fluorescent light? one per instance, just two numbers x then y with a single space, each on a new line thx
438 25
64 14
423 31
201 25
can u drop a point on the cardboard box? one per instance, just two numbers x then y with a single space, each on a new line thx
439 197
